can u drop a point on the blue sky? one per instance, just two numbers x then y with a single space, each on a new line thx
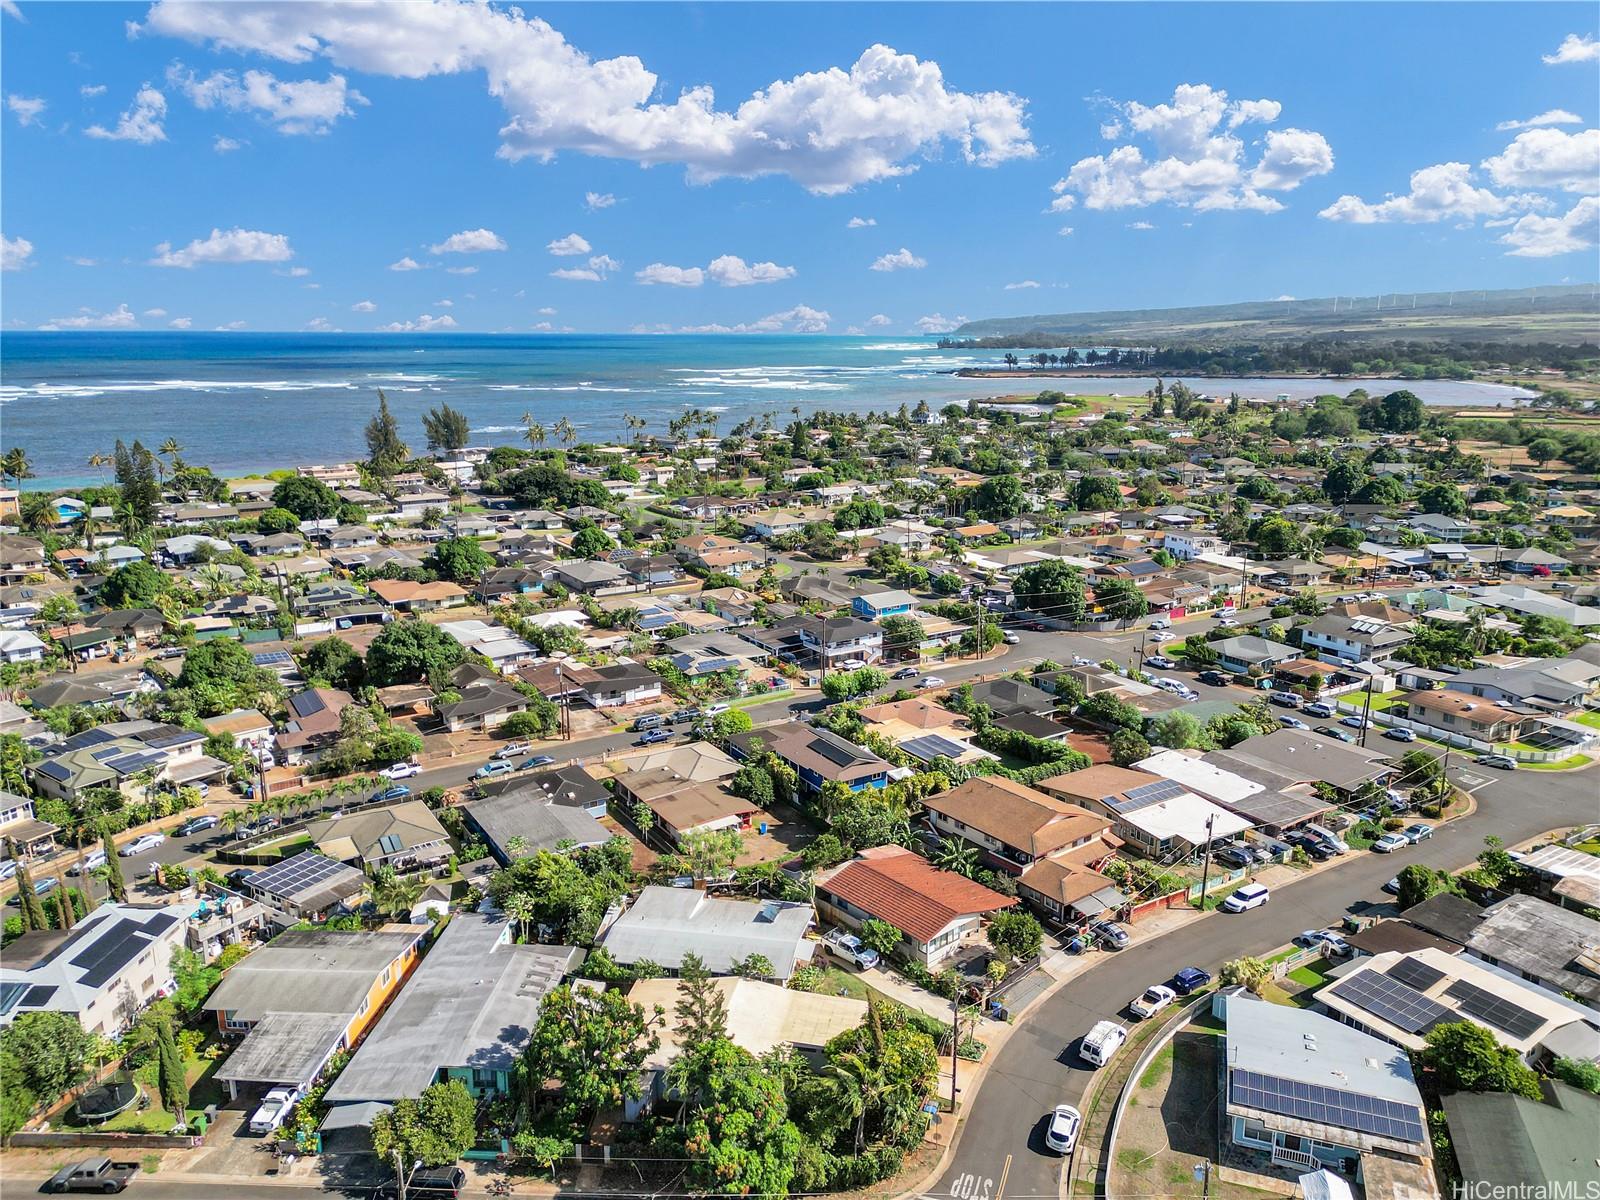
265 165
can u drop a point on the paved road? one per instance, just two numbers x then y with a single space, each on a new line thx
1038 1067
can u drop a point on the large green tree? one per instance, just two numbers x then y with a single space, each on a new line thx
739 1138
1000 497
1466 1057
1121 599
592 1047
386 451
136 585
1051 588
171 1081
307 498
408 651
49 1050
435 1129
460 560
446 428
335 662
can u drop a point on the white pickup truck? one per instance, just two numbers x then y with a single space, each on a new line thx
848 947
274 1107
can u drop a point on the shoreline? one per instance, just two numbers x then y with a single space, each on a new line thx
1068 373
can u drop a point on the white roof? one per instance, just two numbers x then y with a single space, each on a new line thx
12 640
1185 817
1203 778
761 1016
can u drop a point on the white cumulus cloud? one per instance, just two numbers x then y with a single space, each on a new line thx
1438 193
1575 49
9 7
829 130
226 246
320 325
444 303
294 106
1021 284
363 306
14 253
231 327
154 313
1534 236
461 270
594 201
1140 226
141 123
469 241
665 273
1549 158
407 264
1555 116
861 222
547 311
225 145
900 260
800 319
90 90
938 323
729 270
600 265
86 318
1197 158
879 320
426 323
27 108
569 247
180 323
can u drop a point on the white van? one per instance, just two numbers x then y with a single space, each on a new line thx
1101 1042
1251 895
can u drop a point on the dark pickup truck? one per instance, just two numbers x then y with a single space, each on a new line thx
92 1175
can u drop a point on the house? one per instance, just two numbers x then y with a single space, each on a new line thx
19 827
1160 817
584 575
403 836
934 910
1248 653
305 887
303 997
103 971
622 683
243 726
483 706
20 557
1287 757
567 787
700 654
524 819
818 756
404 596
188 547
1185 545
696 761
466 1014
1554 947
126 755
1272 809
495 642
655 570
1309 1092
1065 888
138 624
1509 1145
20 646
1557 685
736 561
1353 639
875 606
313 724
1013 698
664 923
1459 712
682 809
1399 997
839 641
1013 824
348 537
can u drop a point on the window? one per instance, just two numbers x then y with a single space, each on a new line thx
383 979
484 1079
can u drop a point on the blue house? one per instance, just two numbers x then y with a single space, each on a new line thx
875 606
818 756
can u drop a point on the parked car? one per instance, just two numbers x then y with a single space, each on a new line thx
930 681
8 868
1190 979
1286 699
196 825
401 770
646 721
683 715
491 770
512 750
398 791
1251 895
1224 622
1011 639
41 887
1152 1000
538 760
848 947
1319 710
1161 635
651 737
1353 722
91 861
92 1175
1395 733
1160 662
1236 856
1214 679
906 673
1419 832
147 841
1102 1041
274 1107
1061 1135
1502 762
1392 885
1079 660
1109 932
1335 732
1390 842
430 1183
712 710
1289 722
1325 940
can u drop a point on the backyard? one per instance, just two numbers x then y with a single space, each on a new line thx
150 1116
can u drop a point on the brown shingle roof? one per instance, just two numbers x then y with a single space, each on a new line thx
1017 815
899 886
1098 781
1063 880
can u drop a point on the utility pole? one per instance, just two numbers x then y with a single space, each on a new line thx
1366 714
955 1046
1205 870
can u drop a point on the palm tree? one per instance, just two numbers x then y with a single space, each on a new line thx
129 521
391 894
958 856
16 466
213 580
854 1082
100 461
521 908
566 431
532 432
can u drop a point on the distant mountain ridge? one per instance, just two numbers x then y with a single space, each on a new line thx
1558 313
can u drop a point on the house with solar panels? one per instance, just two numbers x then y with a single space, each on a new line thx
1400 997
103 971
121 755
1159 817
1309 1092
307 887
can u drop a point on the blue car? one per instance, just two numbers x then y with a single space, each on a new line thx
538 760
398 792
651 737
1190 979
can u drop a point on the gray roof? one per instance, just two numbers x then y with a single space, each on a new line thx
285 1047
1280 809
1445 915
1275 1043
1513 1142
666 923
1306 757
309 971
528 815
1249 648
472 1003
1531 936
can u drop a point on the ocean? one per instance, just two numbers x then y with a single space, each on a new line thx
242 402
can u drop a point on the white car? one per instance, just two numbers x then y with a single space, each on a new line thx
1062 1134
848 947
930 681
1012 639
401 770
1152 1000
712 710
1390 842
139 845
1079 660
92 860
1161 635
274 1107
1252 895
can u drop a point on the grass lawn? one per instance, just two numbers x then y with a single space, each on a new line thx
1281 955
154 1118
839 982
1591 719
1274 994
1563 764
1310 974
1158 1069
1361 835
287 847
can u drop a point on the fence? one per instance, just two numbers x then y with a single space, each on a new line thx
1459 740
130 1141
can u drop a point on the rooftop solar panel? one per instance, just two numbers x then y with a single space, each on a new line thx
10 994
1392 1001
1415 973
1326 1105
306 703
1494 1010
38 995
298 874
1146 795
843 755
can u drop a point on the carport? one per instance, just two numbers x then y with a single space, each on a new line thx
283 1050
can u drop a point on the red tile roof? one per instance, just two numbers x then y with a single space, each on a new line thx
901 887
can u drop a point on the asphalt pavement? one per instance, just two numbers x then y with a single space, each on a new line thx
1001 1154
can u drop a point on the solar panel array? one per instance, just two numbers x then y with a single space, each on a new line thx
111 951
273 658
1492 1010
931 746
297 874
1415 973
1326 1105
1392 1001
843 754
1145 795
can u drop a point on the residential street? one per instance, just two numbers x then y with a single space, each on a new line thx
1039 1068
